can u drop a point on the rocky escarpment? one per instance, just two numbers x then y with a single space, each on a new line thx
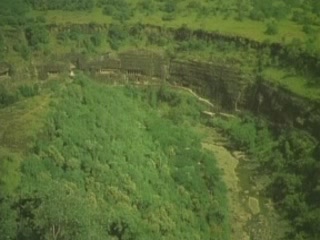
221 82
292 53
283 107
227 85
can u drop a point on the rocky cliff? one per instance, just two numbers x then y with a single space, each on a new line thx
227 86
283 107
223 83
220 82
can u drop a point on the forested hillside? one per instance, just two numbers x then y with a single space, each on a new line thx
109 165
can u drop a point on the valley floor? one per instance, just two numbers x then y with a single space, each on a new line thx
228 163
248 218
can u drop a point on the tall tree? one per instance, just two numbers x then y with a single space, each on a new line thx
63 213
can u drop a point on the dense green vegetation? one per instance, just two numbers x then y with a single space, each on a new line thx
111 164
289 159
11 95
126 163
12 12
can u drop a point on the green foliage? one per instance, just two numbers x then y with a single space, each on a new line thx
178 108
117 34
108 165
28 90
294 51
308 29
23 50
71 218
10 96
170 6
69 5
7 97
12 12
156 38
277 9
168 17
2 46
291 161
243 7
118 9
146 6
192 44
9 173
272 28
96 40
294 180
37 35
243 132
305 16
8 216
62 37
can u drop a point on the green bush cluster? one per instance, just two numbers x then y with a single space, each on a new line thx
13 12
117 34
272 28
10 96
118 9
37 35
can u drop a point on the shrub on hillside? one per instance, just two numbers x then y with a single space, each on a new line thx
118 9
272 28
6 97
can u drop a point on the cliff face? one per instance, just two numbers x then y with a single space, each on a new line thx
144 62
284 108
222 83
227 86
